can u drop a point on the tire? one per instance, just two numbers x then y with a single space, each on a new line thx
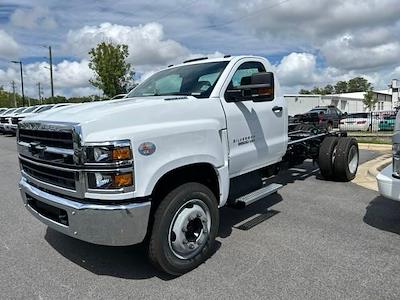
346 160
171 241
326 156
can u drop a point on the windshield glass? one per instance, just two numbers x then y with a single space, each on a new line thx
318 110
19 110
196 80
9 111
44 108
30 109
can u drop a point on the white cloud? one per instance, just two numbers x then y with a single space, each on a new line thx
147 43
31 18
348 53
8 46
297 69
71 78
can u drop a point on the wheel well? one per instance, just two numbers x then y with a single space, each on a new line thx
203 173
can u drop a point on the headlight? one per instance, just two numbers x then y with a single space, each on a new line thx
113 152
396 159
104 180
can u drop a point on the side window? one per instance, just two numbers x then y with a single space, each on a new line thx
244 72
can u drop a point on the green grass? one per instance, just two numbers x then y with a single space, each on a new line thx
374 140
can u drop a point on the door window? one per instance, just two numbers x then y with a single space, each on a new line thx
244 72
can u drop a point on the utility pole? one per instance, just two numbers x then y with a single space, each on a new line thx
13 88
40 93
22 80
51 74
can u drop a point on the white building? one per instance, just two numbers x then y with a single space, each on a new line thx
346 102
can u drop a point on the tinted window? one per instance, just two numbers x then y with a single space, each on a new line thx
358 116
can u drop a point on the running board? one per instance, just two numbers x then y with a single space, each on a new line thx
258 194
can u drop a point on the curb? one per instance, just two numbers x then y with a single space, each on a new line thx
366 174
374 171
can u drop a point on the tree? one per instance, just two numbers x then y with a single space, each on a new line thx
317 91
304 92
328 89
358 84
341 87
369 100
113 74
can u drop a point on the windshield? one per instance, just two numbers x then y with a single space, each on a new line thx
44 108
9 111
196 80
319 110
30 109
19 110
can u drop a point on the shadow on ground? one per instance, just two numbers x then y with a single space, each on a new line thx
131 262
383 214
128 262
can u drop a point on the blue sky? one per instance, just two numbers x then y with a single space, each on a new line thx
309 43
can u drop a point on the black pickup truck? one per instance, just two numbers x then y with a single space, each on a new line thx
326 116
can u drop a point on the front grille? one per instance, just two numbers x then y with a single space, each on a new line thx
59 139
50 175
15 120
3 120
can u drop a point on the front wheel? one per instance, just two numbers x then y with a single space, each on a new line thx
185 227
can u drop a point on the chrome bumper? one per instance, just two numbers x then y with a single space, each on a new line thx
113 225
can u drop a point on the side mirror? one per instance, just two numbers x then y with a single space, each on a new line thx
258 87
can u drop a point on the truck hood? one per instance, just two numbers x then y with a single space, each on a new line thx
94 111
109 120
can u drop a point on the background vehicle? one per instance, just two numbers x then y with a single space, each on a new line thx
5 119
30 111
388 123
328 116
156 165
3 110
359 122
389 178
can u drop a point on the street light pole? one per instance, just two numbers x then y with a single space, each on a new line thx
22 80
51 73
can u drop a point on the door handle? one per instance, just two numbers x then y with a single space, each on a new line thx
277 108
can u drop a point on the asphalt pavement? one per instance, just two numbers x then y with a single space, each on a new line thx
325 240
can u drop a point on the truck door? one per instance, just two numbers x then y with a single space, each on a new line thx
257 131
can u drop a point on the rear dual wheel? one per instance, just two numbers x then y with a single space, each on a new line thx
338 158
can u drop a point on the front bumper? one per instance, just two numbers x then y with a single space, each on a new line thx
113 225
13 128
389 186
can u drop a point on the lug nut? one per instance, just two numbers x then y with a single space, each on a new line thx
184 229
199 215
191 246
184 242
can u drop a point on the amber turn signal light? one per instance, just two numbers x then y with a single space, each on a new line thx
122 153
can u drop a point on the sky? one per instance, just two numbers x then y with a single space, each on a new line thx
309 43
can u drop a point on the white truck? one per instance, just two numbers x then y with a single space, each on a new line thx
154 167
389 178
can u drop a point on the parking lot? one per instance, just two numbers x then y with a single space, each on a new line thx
326 240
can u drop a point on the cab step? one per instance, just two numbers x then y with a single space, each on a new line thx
248 199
